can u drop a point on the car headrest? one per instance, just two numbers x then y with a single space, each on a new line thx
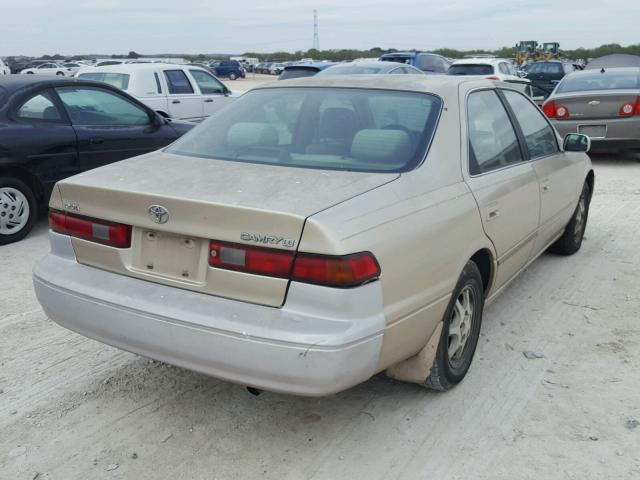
377 145
249 134
337 123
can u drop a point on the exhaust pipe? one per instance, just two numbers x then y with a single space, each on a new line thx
254 391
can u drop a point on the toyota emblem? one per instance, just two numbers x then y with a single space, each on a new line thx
158 213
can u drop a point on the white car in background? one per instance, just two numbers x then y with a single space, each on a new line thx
4 68
174 91
73 67
49 69
487 67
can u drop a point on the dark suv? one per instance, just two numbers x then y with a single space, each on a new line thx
228 68
427 62
546 75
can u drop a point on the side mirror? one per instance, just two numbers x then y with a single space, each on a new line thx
576 142
157 120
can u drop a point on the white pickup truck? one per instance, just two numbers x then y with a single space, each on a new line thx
175 91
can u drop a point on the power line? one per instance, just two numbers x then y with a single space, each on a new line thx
316 38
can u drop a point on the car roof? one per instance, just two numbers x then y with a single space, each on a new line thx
436 84
479 61
135 67
595 72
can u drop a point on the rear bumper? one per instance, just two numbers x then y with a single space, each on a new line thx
322 341
621 133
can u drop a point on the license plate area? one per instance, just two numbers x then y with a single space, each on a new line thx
593 131
171 256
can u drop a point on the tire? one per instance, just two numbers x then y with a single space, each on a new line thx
571 240
460 331
17 205
232 76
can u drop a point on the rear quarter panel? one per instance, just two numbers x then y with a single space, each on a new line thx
422 228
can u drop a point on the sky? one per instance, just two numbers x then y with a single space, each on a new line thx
37 27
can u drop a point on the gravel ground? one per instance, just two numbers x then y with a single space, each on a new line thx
72 408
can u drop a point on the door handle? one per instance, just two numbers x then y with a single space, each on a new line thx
493 214
96 141
208 100
175 101
545 188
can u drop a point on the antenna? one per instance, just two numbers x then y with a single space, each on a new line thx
316 38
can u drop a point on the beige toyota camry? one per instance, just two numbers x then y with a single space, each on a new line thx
319 231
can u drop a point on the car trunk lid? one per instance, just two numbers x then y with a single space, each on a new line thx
252 204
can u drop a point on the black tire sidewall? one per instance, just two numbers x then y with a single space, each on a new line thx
33 209
470 276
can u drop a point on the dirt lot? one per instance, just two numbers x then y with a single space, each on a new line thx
71 408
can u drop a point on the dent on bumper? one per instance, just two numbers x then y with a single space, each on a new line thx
322 341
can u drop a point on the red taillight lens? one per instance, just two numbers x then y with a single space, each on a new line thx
333 271
493 78
260 261
345 271
100 231
551 110
630 108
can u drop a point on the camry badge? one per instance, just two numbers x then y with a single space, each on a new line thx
594 102
158 213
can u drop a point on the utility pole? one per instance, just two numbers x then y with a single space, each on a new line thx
316 38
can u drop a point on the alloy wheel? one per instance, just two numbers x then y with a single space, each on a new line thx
14 210
460 325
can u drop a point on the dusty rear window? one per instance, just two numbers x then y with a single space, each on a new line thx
325 128
118 80
600 81
470 70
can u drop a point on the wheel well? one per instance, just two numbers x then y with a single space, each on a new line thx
32 182
482 259
590 181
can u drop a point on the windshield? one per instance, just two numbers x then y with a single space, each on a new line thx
298 72
470 70
600 81
118 80
324 128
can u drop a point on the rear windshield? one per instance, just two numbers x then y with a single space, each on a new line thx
324 128
551 68
470 70
600 81
397 59
297 73
118 80
355 69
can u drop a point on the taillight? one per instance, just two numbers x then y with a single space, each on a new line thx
344 271
260 261
630 108
333 271
493 78
100 231
551 110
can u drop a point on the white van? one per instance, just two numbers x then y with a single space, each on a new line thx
174 91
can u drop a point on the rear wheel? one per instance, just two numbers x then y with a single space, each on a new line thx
18 210
571 240
460 331
232 76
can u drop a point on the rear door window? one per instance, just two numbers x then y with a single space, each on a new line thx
40 108
538 134
178 82
493 142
